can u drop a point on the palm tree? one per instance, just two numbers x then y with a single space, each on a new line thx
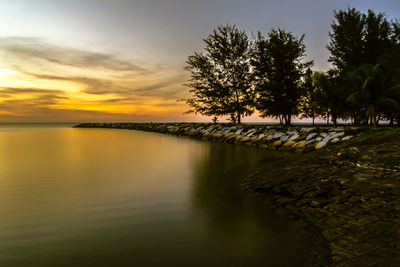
374 91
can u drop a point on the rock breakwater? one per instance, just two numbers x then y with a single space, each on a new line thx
293 138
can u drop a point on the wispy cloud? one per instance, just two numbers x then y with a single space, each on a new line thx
35 48
84 80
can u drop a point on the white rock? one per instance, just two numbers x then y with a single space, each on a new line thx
347 137
326 140
277 135
261 136
335 140
311 141
310 136
338 129
225 130
284 138
318 139
292 133
323 134
250 132
306 129
322 143
270 137
337 135
238 132
293 137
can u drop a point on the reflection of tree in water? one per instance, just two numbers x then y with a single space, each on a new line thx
234 219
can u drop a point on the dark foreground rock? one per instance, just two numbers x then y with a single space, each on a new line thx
347 198
295 138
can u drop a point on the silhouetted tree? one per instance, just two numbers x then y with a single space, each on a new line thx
277 70
346 39
377 37
220 78
333 96
311 101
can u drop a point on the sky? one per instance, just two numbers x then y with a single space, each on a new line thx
120 60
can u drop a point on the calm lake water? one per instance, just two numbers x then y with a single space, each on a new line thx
103 197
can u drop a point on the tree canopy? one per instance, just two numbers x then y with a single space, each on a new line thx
220 77
278 67
236 75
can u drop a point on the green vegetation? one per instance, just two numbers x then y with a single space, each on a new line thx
235 75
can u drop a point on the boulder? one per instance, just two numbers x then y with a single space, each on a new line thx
293 137
284 138
270 137
250 132
278 135
307 129
335 140
300 145
277 143
261 136
347 137
292 133
289 143
320 144
310 136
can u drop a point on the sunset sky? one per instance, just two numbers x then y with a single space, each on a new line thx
98 60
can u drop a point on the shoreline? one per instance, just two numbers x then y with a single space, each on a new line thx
301 139
345 196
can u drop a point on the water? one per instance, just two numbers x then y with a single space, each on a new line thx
103 197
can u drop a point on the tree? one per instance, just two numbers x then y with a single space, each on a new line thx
346 39
376 91
333 96
311 101
277 71
377 36
220 77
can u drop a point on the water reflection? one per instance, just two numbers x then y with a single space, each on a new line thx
98 197
244 230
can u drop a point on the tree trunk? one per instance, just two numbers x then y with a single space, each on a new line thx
391 121
238 117
313 118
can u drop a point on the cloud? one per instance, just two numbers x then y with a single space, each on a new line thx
81 81
35 48
10 91
167 88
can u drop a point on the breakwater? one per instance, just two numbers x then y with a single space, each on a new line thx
294 138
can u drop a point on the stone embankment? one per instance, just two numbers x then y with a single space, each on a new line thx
294 138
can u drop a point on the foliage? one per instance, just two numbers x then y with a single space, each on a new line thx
277 71
234 76
220 77
311 100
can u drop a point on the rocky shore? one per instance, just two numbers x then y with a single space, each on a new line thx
294 138
346 198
